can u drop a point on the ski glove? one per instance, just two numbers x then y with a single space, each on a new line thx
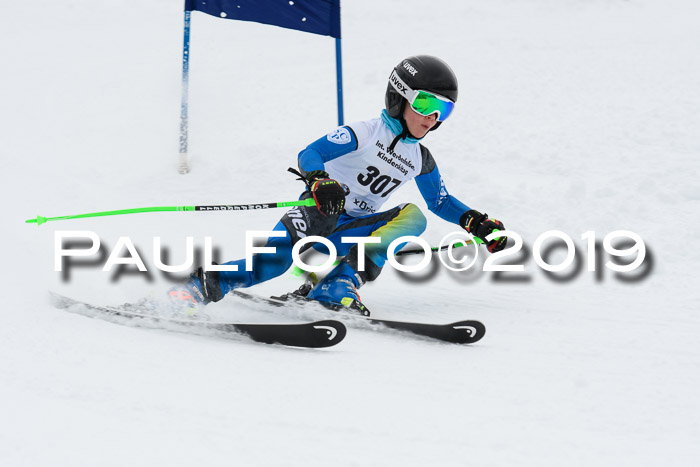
481 226
328 193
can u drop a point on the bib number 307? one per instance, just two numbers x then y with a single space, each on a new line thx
378 183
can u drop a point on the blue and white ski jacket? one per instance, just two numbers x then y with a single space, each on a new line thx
359 156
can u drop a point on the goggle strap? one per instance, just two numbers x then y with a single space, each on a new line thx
400 86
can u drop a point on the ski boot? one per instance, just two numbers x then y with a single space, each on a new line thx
338 291
189 299
182 302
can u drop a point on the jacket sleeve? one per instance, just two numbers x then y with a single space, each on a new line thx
432 188
335 144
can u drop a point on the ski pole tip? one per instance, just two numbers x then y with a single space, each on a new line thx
38 221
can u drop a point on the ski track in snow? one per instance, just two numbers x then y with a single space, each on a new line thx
573 115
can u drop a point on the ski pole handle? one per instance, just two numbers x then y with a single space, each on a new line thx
219 207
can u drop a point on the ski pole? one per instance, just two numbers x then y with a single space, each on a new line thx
442 248
220 207
298 272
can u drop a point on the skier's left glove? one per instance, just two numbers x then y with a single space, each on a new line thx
480 225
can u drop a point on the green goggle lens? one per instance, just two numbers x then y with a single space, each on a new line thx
426 103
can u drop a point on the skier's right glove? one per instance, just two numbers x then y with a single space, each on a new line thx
481 226
328 193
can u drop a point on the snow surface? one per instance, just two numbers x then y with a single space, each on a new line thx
573 115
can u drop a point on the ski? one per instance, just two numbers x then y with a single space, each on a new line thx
459 332
316 334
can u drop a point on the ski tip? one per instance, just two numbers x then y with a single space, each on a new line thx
315 334
330 332
468 332
38 221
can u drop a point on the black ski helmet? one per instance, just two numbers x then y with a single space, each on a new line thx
421 73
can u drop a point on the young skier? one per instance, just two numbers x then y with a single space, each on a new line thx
351 173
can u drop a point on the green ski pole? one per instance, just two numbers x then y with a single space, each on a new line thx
436 249
219 207
298 272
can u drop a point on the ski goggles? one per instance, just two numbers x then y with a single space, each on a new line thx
423 102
